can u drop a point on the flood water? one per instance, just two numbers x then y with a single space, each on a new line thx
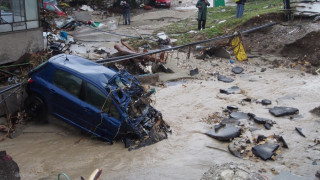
44 150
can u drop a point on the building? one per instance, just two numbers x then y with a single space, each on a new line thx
20 30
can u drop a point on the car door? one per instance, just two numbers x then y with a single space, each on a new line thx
64 96
101 113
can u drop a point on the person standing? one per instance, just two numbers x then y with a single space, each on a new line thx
202 13
126 12
240 8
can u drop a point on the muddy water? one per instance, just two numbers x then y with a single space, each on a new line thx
44 150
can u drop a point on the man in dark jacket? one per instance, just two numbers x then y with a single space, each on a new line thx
202 13
240 8
126 12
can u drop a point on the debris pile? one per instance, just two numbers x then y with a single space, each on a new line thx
237 129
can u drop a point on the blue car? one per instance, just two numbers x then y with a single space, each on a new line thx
99 100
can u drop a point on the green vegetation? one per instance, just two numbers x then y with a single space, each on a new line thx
220 20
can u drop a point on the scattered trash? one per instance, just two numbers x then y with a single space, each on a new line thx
231 61
225 79
283 111
231 90
163 38
237 70
266 102
300 131
225 133
194 72
238 48
86 8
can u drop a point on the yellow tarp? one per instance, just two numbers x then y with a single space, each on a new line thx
238 49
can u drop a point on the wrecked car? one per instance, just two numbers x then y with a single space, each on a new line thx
101 101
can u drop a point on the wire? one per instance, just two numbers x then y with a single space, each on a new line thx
109 32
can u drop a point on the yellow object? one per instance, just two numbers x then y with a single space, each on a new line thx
238 49
236 0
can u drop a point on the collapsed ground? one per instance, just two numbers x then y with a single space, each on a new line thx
186 105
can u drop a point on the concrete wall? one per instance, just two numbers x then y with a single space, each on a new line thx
14 44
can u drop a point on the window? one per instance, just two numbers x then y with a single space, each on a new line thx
67 82
18 15
96 98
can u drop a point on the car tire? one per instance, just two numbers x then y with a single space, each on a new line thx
36 108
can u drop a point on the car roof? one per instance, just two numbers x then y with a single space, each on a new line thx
95 72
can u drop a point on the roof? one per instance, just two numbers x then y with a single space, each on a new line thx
96 73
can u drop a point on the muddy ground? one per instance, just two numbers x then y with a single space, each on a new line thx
44 150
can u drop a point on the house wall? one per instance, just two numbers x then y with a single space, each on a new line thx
14 44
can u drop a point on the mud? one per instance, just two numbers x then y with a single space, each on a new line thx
44 150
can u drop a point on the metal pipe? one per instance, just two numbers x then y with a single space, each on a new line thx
122 58
10 87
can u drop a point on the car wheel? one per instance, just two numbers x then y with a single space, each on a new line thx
36 108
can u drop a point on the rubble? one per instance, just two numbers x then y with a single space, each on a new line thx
237 70
231 90
266 102
299 130
224 133
224 79
265 151
278 111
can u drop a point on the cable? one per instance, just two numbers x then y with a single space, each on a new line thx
66 176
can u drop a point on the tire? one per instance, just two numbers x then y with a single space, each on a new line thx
36 108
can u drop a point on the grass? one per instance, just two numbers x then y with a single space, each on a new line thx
220 20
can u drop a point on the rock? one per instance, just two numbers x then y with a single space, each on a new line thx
261 120
227 174
266 102
282 141
267 126
283 111
265 151
300 131
230 121
219 52
225 79
233 149
239 115
237 70
263 69
317 174
225 134
231 90
9 169
232 107
194 72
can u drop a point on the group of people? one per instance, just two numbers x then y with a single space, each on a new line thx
202 13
